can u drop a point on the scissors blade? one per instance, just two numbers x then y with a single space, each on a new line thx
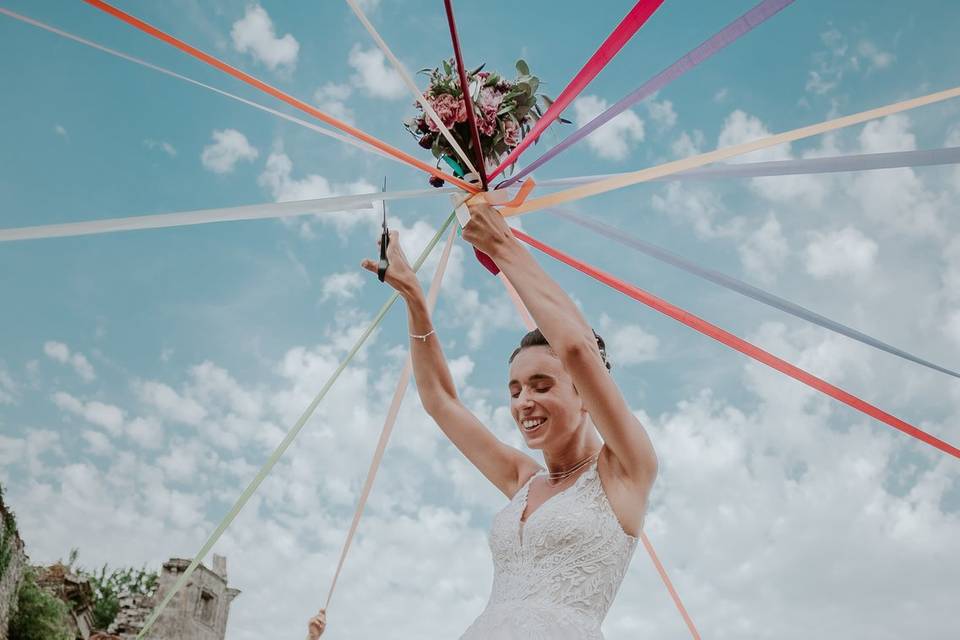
384 190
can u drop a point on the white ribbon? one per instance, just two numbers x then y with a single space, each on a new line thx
303 123
408 80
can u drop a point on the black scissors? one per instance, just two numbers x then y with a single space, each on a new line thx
384 240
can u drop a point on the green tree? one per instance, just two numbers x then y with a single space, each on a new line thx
40 615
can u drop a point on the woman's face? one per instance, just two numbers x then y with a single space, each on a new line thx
541 390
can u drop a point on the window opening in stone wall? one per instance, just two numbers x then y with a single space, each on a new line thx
207 607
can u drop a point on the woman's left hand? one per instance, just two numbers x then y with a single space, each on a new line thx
317 625
487 230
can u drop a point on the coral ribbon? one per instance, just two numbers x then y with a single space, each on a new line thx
531 325
276 93
744 347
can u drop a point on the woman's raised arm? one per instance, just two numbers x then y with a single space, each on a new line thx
503 465
571 337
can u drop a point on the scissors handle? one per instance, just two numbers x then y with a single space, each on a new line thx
384 263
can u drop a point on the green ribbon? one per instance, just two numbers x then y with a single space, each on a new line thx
287 441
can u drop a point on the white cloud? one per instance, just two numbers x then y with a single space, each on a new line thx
278 177
146 432
97 443
228 148
740 127
876 58
698 206
764 251
830 63
162 145
688 144
737 491
615 139
108 416
373 75
254 33
846 252
627 344
661 112
837 59
343 286
332 97
60 131
61 353
888 134
170 404
8 388
896 200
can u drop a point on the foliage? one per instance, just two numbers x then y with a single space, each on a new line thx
40 615
110 586
504 110
7 532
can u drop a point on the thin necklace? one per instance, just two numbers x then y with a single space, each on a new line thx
560 475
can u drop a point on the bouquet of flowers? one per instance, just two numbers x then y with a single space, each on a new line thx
505 110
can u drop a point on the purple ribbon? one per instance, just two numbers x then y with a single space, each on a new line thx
725 36
803 166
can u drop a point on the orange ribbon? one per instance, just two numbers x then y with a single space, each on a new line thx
276 93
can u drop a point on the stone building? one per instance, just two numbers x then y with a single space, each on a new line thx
13 561
197 612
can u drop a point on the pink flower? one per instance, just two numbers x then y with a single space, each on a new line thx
511 132
449 109
490 97
487 122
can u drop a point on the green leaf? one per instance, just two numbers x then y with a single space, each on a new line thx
534 84
447 68
522 67
478 69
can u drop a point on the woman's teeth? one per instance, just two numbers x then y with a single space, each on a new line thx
530 425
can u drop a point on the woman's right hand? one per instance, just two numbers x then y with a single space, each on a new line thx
400 275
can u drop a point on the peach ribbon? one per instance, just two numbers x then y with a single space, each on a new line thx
669 168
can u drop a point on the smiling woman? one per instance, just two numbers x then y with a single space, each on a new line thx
555 575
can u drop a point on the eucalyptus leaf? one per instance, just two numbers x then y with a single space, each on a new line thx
522 67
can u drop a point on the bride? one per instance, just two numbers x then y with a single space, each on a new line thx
563 543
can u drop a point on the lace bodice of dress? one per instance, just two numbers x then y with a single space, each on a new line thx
565 563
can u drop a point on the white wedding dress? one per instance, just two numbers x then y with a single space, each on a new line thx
555 576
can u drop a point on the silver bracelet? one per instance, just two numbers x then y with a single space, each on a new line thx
424 336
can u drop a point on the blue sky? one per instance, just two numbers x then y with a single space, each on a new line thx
145 376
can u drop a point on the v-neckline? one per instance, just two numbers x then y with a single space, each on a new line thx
526 494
